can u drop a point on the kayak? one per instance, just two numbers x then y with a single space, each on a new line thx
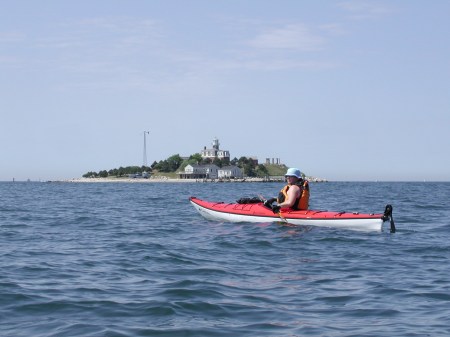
257 212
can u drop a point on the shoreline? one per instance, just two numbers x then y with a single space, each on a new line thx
163 179
155 180
122 180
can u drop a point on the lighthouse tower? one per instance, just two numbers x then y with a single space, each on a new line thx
215 143
215 152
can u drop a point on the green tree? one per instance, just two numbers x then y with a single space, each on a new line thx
190 161
242 161
197 157
261 171
206 161
146 169
217 162
174 162
121 171
248 166
249 170
103 174
90 174
162 166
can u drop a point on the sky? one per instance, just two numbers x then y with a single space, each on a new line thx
343 90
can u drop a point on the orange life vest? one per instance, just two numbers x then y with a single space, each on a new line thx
301 202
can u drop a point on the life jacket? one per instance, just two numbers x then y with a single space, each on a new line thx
301 202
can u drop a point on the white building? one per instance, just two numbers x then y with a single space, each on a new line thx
200 172
215 152
230 172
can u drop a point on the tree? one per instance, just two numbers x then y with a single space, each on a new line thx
146 169
121 171
217 162
242 161
234 161
90 175
113 172
247 165
249 170
103 174
174 162
162 166
261 171
197 157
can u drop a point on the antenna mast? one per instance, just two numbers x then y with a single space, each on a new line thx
145 149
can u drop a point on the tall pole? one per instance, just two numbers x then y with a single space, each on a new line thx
145 148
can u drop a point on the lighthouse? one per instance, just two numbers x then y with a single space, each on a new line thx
215 143
215 152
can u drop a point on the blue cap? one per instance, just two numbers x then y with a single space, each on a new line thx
294 172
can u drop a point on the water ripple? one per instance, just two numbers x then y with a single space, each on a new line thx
116 260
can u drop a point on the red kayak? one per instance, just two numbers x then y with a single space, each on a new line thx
257 212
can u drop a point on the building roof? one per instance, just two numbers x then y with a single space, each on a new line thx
203 165
230 167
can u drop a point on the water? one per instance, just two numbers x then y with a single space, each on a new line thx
137 260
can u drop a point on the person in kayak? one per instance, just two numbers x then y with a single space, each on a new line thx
295 195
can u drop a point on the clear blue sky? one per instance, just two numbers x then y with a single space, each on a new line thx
345 90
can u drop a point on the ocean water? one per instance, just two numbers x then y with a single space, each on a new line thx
136 259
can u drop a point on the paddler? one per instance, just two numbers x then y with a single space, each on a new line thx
295 195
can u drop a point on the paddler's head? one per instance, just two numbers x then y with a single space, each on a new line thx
293 175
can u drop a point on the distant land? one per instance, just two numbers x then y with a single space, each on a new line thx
174 166
275 172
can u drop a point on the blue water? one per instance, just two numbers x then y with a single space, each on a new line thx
135 259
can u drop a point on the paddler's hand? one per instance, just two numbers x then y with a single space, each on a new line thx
268 203
276 209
